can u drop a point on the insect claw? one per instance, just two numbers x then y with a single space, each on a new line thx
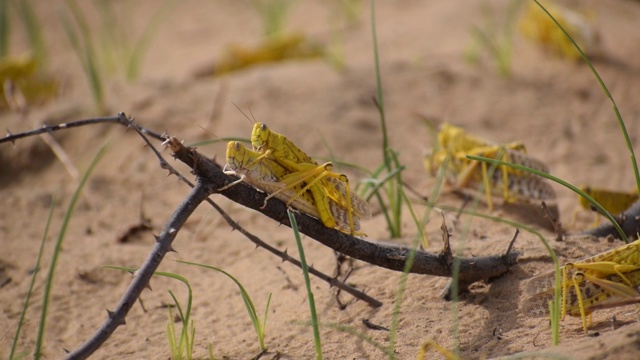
264 204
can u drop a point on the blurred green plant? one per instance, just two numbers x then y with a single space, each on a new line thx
274 15
25 15
495 37
116 48
120 51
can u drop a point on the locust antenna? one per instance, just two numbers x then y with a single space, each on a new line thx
243 113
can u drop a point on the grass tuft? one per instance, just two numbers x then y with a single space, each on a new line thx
58 247
259 325
181 346
85 50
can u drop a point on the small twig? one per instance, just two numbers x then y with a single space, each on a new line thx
555 223
373 326
18 104
513 241
446 253
144 224
447 291
121 119
218 101
342 305
466 201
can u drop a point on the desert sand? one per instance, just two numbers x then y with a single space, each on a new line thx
554 105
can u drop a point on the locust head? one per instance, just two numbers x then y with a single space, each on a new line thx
235 156
260 136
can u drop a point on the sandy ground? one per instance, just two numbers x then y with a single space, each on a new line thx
553 105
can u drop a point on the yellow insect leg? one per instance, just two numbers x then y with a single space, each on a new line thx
321 174
466 175
583 315
319 183
605 268
565 298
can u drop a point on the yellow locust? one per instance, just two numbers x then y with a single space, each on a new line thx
324 184
603 280
615 202
268 176
454 144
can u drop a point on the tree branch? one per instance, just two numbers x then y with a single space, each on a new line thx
386 256
629 221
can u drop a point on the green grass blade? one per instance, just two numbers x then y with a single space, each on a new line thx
5 28
307 282
142 45
176 344
58 246
273 14
393 190
185 344
34 30
181 314
431 202
109 34
394 187
395 195
14 346
71 34
372 185
402 286
80 20
85 51
171 336
264 319
380 97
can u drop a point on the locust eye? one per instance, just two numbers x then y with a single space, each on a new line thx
263 127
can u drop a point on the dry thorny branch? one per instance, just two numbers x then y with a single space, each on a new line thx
210 178
629 221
